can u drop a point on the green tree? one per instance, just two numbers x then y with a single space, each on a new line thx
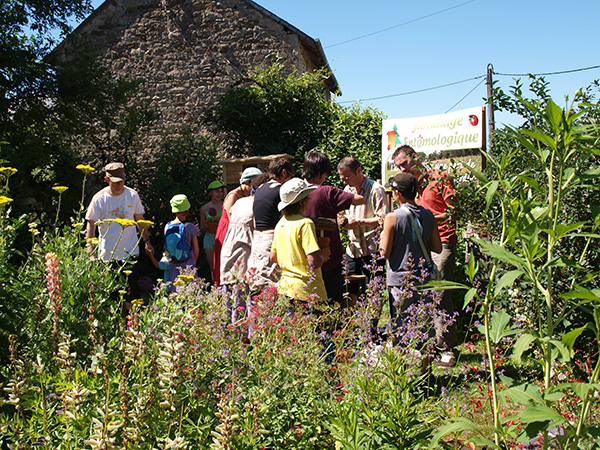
354 131
275 114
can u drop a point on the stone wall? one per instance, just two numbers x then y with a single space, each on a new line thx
188 51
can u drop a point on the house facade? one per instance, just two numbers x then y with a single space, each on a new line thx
189 52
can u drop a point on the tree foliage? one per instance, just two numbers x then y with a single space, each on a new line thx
290 114
275 114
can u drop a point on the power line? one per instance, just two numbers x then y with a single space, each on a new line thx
416 91
471 79
545 74
401 24
469 93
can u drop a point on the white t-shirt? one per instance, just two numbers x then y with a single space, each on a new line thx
103 206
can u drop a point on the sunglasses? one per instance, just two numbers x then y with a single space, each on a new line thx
348 177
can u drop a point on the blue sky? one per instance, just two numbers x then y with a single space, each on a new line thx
525 36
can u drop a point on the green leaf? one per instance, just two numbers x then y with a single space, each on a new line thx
539 136
583 294
581 389
570 337
478 174
530 181
492 189
455 425
554 114
522 344
500 253
472 267
469 296
498 323
507 280
524 394
565 353
539 413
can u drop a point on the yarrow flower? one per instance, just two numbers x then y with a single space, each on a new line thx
4 199
85 168
138 301
125 222
187 278
60 189
8 171
145 223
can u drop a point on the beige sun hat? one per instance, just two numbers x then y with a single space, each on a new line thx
293 191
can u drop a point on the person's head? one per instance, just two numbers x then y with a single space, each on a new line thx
259 181
249 174
215 191
180 205
294 196
404 187
114 174
316 164
281 170
405 158
350 171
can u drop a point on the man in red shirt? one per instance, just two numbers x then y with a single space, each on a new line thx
436 193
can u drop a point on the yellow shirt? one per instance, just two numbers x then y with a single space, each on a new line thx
295 237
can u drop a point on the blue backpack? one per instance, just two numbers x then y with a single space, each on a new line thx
176 243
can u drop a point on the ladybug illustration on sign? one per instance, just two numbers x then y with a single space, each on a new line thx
473 119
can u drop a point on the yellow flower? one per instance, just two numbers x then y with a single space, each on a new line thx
187 278
85 168
125 222
127 272
92 241
179 283
4 199
138 301
60 189
145 223
10 169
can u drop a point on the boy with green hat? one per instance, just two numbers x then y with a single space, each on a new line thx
181 239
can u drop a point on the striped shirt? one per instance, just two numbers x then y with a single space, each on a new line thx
363 240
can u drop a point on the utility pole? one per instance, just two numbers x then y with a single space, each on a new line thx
490 113
490 107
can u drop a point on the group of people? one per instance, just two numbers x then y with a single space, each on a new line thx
278 229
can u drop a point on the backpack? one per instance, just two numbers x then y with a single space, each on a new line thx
176 243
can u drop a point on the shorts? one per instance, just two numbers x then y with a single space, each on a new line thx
209 240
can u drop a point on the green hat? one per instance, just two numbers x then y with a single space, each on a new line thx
179 203
249 173
215 185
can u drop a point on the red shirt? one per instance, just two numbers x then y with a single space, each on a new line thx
436 197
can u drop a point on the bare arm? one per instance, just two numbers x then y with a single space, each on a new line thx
203 219
90 229
196 248
144 232
358 200
229 202
318 258
274 257
152 258
387 236
435 242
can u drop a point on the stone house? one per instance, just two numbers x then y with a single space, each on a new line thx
189 52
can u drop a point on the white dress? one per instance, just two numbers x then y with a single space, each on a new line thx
237 245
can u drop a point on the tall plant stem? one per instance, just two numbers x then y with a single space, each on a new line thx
585 408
